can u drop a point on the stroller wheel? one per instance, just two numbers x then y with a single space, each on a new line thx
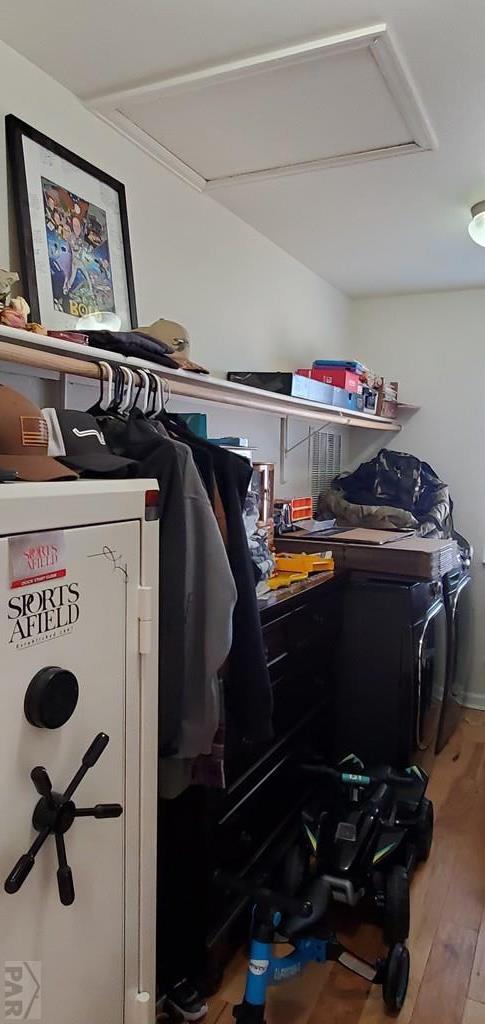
295 870
396 980
424 830
396 907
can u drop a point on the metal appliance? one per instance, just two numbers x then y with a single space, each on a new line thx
391 670
457 593
78 581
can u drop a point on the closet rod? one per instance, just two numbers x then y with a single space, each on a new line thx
49 361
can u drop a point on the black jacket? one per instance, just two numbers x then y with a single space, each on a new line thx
248 693
157 458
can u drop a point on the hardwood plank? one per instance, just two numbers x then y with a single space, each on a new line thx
477 983
216 1008
428 895
454 787
226 1016
474 1013
443 992
364 940
466 898
294 1001
455 768
341 1000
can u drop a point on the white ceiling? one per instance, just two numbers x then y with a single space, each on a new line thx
384 226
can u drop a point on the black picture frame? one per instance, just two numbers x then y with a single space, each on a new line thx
16 130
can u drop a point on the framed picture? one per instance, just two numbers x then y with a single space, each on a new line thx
73 232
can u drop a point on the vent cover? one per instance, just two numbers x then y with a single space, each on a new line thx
325 462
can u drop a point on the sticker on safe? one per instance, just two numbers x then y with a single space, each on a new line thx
22 990
35 557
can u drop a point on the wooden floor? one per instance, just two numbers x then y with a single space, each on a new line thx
447 941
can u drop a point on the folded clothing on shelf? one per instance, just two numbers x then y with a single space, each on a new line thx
129 343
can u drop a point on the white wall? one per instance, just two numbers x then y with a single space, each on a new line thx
246 303
434 345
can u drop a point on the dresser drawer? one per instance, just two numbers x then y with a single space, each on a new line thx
244 827
275 638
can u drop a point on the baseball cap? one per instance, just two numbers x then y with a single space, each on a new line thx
169 334
24 440
76 439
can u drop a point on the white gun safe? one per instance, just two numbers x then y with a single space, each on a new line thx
78 733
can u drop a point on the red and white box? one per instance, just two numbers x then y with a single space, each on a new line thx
338 376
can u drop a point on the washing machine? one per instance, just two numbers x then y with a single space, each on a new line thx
390 670
457 590
78 751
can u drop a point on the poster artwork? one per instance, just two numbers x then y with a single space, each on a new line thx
79 256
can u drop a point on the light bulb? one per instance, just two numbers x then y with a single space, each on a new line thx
476 227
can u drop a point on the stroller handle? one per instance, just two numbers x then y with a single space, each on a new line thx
355 778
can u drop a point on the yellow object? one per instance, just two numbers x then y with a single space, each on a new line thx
321 561
285 579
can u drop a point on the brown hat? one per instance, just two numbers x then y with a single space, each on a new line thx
169 334
24 440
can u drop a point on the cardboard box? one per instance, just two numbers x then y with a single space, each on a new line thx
294 384
338 376
387 405
80 339
348 400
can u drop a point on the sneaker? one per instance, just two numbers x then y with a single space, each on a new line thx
186 1000
160 1008
167 1014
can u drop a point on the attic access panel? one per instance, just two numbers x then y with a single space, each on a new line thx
335 100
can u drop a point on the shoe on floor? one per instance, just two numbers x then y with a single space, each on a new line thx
187 1001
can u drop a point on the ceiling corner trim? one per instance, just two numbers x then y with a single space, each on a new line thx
198 77
403 90
343 160
124 126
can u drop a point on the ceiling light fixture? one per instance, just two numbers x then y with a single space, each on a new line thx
476 227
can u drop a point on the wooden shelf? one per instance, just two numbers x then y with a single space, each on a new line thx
38 350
